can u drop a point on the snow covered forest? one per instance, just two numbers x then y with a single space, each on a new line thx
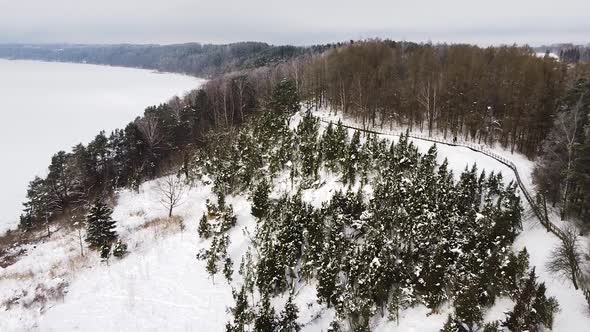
401 232
283 221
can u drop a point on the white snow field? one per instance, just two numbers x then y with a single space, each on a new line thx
161 286
47 106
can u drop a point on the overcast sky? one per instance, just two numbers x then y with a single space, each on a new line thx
299 22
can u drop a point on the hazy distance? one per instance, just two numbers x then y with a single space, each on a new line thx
300 22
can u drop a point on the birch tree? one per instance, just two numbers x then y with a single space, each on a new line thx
568 124
150 130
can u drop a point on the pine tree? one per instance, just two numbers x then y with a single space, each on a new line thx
211 255
544 307
227 219
260 200
334 146
513 271
217 252
307 146
265 318
467 307
341 140
228 269
532 309
120 249
450 325
290 222
221 200
394 305
204 228
270 269
211 208
492 327
335 326
105 253
26 220
101 228
250 160
288 320
285 98
41 205
327 275
241 312
247 271
351 159
328 146
314 238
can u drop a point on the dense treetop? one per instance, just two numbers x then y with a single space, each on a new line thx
404 231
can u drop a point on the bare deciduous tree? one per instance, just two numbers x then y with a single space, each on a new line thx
241 83
79 225
176 106
568 122
565 258
172 190
149 128
428 98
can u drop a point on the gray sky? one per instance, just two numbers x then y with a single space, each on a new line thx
295 21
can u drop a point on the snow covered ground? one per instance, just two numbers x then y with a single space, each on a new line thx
47 107
551 55
161 285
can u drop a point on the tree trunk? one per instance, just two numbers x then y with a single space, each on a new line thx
81 245
574 278
566 191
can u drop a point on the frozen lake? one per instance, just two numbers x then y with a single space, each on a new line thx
46 107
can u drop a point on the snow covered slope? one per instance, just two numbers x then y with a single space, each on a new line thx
161 285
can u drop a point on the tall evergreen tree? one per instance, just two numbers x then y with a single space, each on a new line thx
101 227
228 269
285 98
260 200
241 312
532 309
351 159
288 320
307 145
204 227
266 319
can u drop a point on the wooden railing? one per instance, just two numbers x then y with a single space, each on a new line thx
539 213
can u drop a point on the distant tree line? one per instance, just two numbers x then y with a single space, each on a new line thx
496 94
575 54
567 52
204 60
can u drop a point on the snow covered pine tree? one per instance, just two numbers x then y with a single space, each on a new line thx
101 227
